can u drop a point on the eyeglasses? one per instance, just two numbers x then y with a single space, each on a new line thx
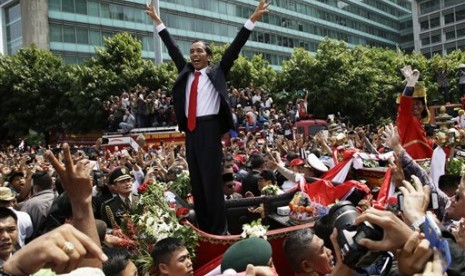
230 186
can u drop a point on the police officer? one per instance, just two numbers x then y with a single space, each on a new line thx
124 203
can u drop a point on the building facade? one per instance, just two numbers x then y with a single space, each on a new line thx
438 26
73 28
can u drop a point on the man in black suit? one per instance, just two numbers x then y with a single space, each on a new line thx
203 111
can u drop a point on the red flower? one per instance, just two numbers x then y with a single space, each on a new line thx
143 188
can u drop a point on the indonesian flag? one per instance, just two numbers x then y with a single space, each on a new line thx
386 192
325 193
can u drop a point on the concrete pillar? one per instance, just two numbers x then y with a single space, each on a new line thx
35 27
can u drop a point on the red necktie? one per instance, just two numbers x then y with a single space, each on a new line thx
192 114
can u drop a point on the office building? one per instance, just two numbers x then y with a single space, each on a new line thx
438 26
72 28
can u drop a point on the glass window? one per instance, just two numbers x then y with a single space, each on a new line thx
67 5
81 6
93 8
459 15
69 34
434 22
450 35
82 36
14 30
56 34
147 43
425 41
448 3
460 32
54 5
424 25
429 6
436 38
13 27
13 13
105 10
95 38
116 12
449 18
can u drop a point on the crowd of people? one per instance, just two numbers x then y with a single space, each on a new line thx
58 205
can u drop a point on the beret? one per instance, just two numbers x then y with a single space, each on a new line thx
255 251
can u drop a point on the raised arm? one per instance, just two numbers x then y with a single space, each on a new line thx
232 53
173 49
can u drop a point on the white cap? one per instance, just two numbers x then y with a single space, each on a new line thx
315 163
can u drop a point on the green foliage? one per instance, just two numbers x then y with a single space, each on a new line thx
181 185
39 93
456 166
32 85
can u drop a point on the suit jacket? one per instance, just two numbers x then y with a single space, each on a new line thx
114 209
216 73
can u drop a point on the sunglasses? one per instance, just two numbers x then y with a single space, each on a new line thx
230 186
457 196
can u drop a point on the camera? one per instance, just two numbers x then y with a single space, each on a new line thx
342 216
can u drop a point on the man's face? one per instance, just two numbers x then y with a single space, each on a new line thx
262 183
180 264
321 258
418 107
18 182
8 236
198 55
123 187
228 188
456 209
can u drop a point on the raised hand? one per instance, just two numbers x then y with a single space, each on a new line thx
261 9
416 200
150 10
411 76
392 138
75 178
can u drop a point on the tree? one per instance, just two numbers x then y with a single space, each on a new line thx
117 67
33 83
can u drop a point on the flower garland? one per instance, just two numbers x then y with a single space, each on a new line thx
155 220
254 229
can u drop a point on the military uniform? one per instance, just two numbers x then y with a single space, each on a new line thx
114 210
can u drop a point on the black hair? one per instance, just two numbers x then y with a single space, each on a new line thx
296 247
449 182
7 212
208 49
42 180
118 259
164 249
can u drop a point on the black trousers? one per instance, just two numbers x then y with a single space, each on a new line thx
204 155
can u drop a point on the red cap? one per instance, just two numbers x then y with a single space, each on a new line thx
297 162
239 158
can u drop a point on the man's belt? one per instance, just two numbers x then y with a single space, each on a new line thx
207 118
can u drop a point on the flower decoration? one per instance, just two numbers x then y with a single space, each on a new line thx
270 190
254 229
155 220
181 185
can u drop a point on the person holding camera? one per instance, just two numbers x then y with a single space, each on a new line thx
398 235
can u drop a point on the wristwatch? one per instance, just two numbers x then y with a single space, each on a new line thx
416 224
